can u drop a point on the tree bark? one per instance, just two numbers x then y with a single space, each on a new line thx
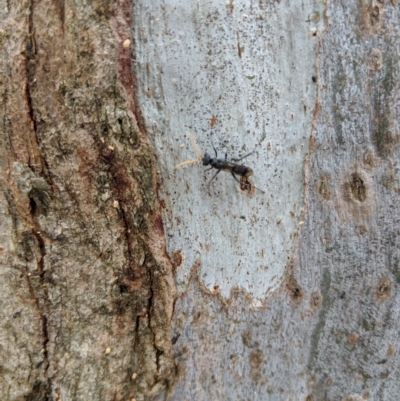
86 285
291 295
288 295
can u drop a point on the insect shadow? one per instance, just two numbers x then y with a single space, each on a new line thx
232 167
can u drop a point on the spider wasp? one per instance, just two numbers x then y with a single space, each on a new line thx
233 167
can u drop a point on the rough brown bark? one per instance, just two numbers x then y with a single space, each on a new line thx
86 285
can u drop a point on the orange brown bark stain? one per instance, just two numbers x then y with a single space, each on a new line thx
178 259
106 160
158 225
124 58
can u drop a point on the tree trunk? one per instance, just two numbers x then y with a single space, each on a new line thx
86 285
290 294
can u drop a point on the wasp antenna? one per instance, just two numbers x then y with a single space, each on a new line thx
186 162
195 147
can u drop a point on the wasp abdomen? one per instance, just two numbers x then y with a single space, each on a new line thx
243 171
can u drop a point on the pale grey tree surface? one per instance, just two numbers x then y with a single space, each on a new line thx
230 73
313 88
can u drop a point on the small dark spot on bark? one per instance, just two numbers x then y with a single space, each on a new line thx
296 292
383 289
385 374
107 153
39 201
123 288
294 289
309 397
177 258
30 50
376 59
358 188
316 300
314 78
374 15
256 358
28 244
239 49
353 338
32 206
369 159
247 338
324 189
387 181
128 274
175 338
391 350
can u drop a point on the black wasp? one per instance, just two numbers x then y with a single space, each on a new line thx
234 168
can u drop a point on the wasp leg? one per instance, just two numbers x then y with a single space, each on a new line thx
214 176
243 157
234 176
215 150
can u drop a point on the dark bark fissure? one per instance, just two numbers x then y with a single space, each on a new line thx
39 393
30 68
42 308
128 241
41 390
61 10
39 203
151 309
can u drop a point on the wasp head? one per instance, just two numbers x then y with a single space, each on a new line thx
206 159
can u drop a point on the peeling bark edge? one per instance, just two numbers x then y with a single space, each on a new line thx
162 286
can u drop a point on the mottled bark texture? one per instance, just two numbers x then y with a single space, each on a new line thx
332 332
86 287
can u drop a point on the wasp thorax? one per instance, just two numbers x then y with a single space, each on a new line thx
215 163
